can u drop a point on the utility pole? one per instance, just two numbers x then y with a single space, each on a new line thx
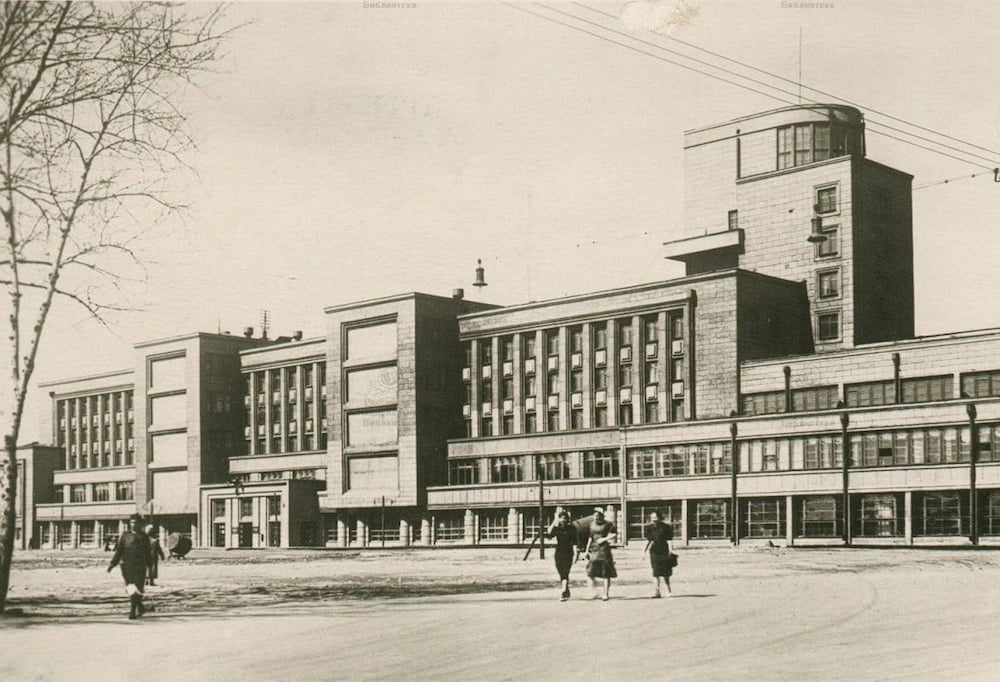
734 466
970 409
541 511
845 457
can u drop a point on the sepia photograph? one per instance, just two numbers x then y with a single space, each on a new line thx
489 340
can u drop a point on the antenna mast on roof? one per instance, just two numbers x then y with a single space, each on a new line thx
265 321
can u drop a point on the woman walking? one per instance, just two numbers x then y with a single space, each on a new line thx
602 564
566 550
658 537
132 552
155 554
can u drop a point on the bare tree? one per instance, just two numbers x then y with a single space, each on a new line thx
90 130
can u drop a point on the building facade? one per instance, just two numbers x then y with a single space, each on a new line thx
776 392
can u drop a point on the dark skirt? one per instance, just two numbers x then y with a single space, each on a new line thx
661 565
602 568
563 564
134 575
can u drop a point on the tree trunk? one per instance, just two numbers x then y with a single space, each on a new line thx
8 513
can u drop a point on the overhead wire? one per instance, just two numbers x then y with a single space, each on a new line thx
807 87
741 76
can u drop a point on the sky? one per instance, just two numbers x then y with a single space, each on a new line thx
349 151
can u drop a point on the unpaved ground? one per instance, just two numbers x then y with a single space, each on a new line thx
751 613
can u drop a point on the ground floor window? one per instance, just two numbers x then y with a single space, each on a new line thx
63 533
218 535
493 525
274 533
711 519
330 528
764 518
109 530
44 536
449 528
992 525
638 517
820 517
941 514
879 516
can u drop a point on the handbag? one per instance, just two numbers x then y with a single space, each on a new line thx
673 560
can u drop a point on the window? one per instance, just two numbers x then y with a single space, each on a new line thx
600 464
814 398
506 470
820 517
102 492
624 333
218 509
531 423
552 342
486 427
924 389
246 507
124 491
600 335
529 346
734 220
492 525
828 325
764 518
942 514
805 143
770 402
981 384
554 466
830 246
878 516
78 493
872 393
711 519
826 200
828 283
576 339
507 348
638 518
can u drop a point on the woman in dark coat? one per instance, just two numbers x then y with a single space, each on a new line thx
658 537
132 553
565 534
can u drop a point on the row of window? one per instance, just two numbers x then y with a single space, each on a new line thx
876 449
286 409
623 379
117 491
550 466
872 393
96 430
821 516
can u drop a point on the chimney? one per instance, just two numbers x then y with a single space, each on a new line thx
297 335
458 294
248 332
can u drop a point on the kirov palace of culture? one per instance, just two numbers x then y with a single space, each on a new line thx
787 347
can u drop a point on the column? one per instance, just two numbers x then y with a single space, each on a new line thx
362 530
404 532
789 521
513 527
564 370
685 527
426 531
587 355
908 517
469 527
518 394
341 533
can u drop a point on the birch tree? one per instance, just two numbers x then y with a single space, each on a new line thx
91 129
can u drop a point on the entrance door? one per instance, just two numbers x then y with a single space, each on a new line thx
246 534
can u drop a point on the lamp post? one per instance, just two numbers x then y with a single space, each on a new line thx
734 467
845 463
541 511
383 500
970 409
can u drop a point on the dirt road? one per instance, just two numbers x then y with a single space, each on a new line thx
485 614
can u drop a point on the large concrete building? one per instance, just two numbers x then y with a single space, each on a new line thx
776 391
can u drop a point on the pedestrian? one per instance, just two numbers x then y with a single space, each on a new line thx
155 554
566 550
658 538
133 552
601 564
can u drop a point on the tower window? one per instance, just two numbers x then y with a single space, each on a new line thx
826 200
828 325
828 283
